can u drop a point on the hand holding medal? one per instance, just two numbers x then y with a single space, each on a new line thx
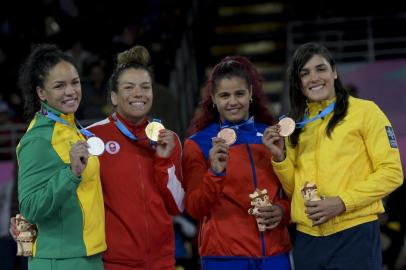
152 130
228 135
220 145
164 138
286 126
274 140
218 155
96 146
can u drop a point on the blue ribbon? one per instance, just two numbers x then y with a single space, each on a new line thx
123 128
56 118
126 132
250 121
322 114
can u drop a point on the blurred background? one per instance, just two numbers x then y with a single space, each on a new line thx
185 39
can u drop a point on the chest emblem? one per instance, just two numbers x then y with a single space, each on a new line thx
112 147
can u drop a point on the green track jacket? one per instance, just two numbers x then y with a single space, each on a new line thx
68 210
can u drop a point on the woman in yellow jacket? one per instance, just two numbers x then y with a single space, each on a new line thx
345 149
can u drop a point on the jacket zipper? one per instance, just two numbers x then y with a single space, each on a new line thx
254 176
145 211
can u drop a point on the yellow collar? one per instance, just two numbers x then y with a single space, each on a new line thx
316 107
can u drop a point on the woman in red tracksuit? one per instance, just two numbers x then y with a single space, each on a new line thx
219 176
141 179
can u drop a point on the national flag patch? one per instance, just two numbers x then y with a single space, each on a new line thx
391 137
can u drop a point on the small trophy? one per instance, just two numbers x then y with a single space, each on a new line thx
26 235
259 198
310 193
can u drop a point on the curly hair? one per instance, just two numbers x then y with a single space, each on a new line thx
34 72
229 67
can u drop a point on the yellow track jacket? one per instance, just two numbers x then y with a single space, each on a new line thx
360 163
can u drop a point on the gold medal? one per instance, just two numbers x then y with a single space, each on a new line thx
287 126
227 134
152 130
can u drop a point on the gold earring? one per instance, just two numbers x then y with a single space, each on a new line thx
251 100
214 105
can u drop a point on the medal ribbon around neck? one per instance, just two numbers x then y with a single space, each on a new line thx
96 145
123 129
249 121
322 114
126 132
228 132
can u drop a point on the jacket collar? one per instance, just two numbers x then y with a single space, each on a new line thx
136 129
246 125
315 108
70 118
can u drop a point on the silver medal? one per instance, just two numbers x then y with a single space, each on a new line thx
96 146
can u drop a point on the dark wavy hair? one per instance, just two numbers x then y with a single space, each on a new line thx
34 71
298 100
231 66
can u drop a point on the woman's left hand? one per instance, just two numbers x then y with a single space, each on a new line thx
323 210
165 143
270 216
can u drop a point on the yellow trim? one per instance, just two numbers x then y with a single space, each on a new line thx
89 191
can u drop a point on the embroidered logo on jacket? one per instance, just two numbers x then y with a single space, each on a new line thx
391 137
112 147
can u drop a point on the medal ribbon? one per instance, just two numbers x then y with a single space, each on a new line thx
126 132
123 129
56 118
322 114
250 121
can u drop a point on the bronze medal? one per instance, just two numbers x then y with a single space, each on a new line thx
152 130
287 126
228 134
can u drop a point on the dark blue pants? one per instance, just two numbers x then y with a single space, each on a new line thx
352 249
8 258
277 262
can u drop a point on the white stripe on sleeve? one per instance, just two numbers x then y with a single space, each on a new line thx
176 189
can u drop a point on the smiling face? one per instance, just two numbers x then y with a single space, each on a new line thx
133 97
232 98
317 79
61 89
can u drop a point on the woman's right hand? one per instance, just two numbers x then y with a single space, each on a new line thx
274 142
218 155
79 155
13 228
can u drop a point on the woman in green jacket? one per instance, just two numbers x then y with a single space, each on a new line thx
58 181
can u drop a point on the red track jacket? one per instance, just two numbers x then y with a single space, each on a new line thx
221 203
141 192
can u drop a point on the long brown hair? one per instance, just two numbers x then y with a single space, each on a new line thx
298 101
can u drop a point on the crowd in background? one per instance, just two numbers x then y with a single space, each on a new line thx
91 35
